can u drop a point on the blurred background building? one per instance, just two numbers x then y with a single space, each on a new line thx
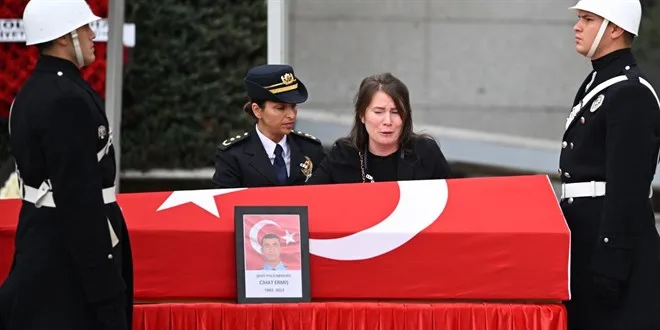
492 80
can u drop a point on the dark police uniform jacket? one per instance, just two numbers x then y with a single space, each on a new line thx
615 248
241 161
420 159
66 274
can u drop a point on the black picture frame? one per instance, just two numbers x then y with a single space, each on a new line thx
239 229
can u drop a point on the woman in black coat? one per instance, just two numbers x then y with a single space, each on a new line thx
382 145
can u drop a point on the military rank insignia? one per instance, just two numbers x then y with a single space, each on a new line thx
306 168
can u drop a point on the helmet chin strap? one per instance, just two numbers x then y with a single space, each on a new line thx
76 48
599 36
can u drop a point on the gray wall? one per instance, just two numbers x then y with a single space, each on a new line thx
499 66
492 80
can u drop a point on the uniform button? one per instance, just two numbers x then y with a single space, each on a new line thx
566 174
570 200
564 144
627 67
110 257
59 73
606 240
559 171
572 145
582 120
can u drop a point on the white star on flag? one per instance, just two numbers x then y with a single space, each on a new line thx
205 199
288 237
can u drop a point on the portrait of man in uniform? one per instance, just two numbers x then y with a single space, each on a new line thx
272 254
271 247
272 242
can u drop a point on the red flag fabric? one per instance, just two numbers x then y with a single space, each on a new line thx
271 242
506 235
350 315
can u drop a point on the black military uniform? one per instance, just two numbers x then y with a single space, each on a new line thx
613 136
66 274
242 161
419 159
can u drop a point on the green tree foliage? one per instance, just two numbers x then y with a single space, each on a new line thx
183 85
647 47
183 88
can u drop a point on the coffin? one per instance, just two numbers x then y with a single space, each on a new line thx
501 238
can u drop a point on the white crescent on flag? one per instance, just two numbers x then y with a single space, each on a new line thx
420 204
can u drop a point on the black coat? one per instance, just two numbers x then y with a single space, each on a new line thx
65 273
242 161
6 170
420 159
615 248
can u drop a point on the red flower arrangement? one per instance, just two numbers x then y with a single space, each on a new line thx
17 60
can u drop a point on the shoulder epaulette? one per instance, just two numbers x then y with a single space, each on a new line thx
307 136
233 140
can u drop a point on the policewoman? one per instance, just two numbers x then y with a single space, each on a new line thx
72 267
382 145
272 152
607 163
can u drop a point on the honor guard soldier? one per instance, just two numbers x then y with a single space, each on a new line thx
272 153
72 267
608 159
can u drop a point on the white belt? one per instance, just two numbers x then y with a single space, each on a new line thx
583 189
586 189
43 196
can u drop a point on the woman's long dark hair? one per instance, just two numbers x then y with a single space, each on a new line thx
358 138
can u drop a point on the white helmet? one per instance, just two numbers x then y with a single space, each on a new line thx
47 20
626 14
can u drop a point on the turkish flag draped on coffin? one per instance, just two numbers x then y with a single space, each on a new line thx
478 238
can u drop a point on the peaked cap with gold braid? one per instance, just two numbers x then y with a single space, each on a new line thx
275 82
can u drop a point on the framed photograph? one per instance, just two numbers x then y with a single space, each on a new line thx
272 254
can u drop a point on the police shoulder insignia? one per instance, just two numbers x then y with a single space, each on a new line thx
232 140
597 103
307 136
